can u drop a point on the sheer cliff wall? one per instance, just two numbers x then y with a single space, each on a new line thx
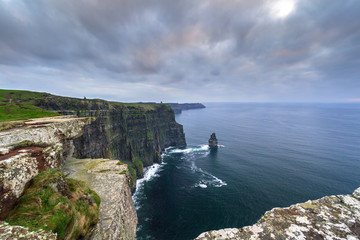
121 131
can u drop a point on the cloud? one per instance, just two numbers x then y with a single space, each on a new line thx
210 50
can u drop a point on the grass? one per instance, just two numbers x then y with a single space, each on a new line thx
10 124
51 202
19 105
132 173
27 143
139 167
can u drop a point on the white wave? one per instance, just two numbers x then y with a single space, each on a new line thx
149 174
201 185
203 148
187 150
221 146
207 178
139 227
218 182
166 149
200 148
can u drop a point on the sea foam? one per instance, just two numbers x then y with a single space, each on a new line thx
207 179
149 173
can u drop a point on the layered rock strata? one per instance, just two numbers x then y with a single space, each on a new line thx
110 180
121 130
331 217
26 151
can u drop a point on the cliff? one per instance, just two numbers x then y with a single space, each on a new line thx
35 195
122 131
26 151
331 217
130 132
179 107
110 180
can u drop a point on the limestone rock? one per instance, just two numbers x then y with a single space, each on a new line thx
54 203
39 145
331 217
8 232
110 180
50 130
213 142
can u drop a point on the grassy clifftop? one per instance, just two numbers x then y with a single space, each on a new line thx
18 105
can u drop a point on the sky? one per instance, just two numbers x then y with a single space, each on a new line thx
183 51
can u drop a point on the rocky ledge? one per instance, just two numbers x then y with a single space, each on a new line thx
27 150
110 180
331 217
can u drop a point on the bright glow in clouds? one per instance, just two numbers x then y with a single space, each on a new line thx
282 8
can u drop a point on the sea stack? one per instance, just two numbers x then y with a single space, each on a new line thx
213 142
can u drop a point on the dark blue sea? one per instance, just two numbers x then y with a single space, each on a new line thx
272 155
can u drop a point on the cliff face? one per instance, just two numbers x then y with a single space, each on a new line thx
331 217
121 131
110 180
26 151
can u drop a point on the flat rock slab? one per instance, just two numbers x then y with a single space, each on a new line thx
331 217
43 130
110 180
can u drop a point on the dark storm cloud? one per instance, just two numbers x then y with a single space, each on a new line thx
209 50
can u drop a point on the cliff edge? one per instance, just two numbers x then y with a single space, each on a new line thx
110 180
133 133
32 185
331 217
29 149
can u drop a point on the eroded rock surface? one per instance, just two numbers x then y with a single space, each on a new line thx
331 217
110 180
8 232
26 151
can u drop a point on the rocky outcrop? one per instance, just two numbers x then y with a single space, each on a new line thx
110 180
51 202
8 232
331 217
26 151
213 142
122 130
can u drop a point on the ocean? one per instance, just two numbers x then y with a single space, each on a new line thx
271 155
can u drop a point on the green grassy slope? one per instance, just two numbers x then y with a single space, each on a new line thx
19 105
